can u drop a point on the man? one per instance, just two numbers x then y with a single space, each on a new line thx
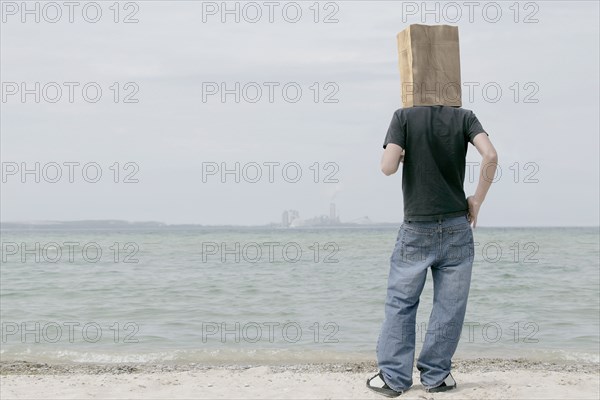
432 142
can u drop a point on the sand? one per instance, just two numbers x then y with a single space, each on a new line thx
477 379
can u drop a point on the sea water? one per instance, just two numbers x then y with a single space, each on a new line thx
248 295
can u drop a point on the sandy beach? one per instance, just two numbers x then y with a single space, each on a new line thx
477 379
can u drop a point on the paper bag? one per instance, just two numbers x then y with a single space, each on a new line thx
429 62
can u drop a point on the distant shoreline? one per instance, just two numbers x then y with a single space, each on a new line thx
151 225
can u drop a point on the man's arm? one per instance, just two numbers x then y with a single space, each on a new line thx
392 156
486 174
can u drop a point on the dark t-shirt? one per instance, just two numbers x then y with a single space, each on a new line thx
435 140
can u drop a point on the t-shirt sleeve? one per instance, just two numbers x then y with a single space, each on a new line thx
396 133
473 127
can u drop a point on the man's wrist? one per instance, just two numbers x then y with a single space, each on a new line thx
477 199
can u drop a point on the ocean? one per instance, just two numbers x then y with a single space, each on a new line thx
267 295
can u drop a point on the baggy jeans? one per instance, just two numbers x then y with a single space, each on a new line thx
445 245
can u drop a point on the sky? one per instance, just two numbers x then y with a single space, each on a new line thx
176 112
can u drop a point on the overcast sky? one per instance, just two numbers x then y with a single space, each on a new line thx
544 124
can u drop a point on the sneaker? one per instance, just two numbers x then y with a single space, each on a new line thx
447 384
378 385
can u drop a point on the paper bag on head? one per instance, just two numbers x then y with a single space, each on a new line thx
429 61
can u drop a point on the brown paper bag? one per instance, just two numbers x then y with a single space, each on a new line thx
429 61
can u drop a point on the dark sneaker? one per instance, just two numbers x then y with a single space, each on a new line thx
378 385
447 384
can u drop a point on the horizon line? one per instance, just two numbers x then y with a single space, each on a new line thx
160 224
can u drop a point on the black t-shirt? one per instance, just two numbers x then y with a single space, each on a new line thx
435 139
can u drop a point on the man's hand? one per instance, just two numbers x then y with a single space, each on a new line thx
474 206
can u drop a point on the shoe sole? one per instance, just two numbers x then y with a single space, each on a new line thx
440 389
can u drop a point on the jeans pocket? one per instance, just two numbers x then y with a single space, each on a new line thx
416 245
400 232
460 244
398 245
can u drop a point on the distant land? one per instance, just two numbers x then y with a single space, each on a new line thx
110 224
135 225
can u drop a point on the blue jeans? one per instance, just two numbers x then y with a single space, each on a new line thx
445 245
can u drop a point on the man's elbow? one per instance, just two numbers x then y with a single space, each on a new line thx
491 156
388 170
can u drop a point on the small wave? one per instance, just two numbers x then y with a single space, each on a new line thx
215 356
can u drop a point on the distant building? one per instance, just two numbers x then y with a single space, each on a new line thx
333 218
288 217
285 219
294 214
291 218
